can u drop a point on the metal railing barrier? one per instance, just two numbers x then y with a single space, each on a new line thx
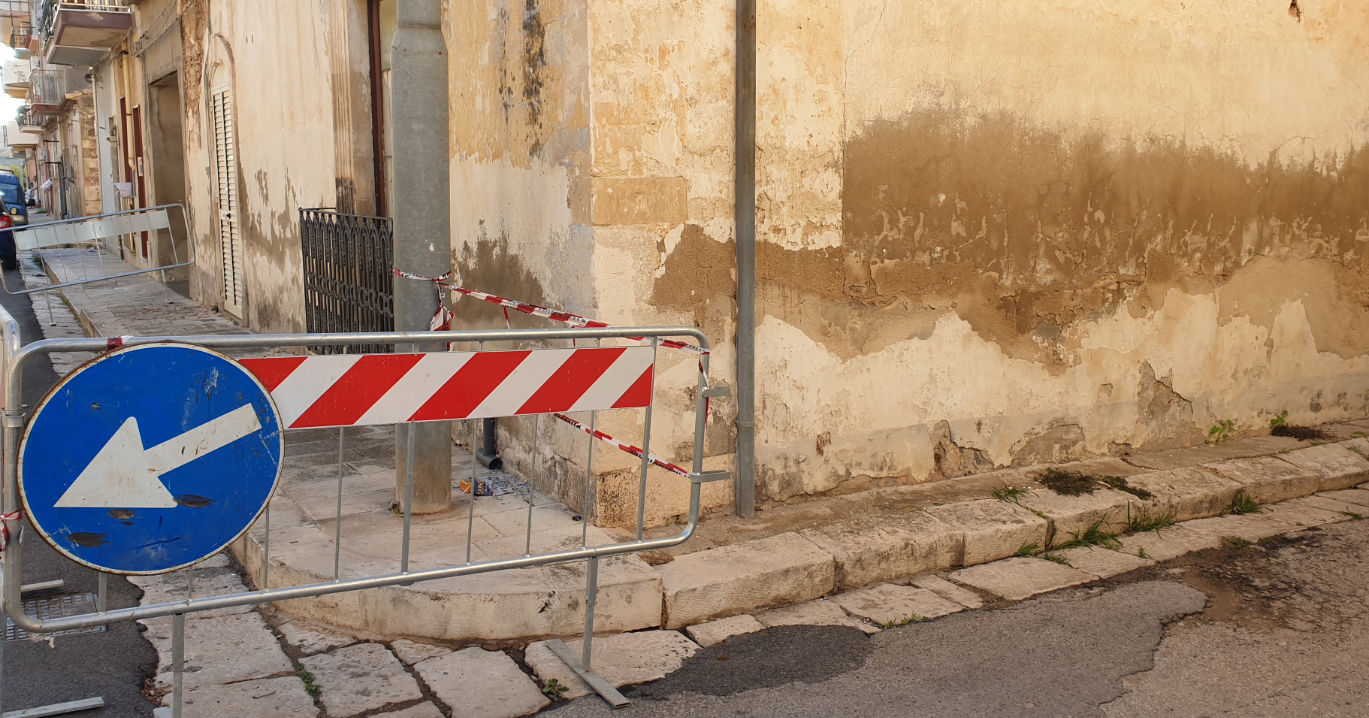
632 367
348 286
93 231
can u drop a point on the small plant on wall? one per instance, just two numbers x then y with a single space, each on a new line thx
1224 430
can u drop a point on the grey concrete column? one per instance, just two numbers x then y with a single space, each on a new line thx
422 221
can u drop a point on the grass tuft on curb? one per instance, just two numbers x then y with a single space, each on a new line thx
908 618
1242 504
1142 520
1009 494
1094 535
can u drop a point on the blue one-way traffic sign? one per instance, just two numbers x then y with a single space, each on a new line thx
150 458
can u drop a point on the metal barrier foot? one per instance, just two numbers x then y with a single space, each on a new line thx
594 680
58 709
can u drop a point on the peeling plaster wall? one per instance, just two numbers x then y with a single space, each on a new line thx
568 186
991 234
1068 229
278 57
662 87
519 148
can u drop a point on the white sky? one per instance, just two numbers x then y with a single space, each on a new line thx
9 107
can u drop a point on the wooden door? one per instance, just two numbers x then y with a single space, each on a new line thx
140 186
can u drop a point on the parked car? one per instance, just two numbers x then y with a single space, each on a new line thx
12 192
9 253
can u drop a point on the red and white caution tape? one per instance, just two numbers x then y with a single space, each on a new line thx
629 448
5 529
573 320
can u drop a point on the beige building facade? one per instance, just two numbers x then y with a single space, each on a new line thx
989 233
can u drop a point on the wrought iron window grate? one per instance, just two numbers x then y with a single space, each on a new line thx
348 284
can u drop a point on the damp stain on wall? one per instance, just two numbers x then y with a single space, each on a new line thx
1042 243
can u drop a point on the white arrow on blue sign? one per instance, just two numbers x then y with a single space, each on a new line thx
150 458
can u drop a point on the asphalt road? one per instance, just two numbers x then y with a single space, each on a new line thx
1265 630
113 664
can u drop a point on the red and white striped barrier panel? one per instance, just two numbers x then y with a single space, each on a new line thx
367 389
573 320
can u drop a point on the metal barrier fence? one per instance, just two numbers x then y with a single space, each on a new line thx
13 359
348 286
93 231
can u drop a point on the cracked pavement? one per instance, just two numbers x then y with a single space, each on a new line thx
1271 629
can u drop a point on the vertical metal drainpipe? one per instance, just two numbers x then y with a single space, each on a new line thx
421 208
745 218
488 453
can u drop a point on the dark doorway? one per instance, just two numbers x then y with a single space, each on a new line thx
166 146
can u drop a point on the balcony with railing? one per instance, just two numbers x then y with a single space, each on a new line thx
16 26
16 75
81 32
47 91
30 121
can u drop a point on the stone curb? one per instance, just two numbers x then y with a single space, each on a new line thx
502 605
746 577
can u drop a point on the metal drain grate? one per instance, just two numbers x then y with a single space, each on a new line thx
73 604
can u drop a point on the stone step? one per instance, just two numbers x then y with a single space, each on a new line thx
501 605
741 578
1017 578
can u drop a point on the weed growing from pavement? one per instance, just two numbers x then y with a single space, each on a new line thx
1028 549
554 688
1241 503
1280 420
1143 520
309 687
1094 535
1356 449
1009 495
1353 515
1224 430
1056 559
907 619
1141 553
1235 542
